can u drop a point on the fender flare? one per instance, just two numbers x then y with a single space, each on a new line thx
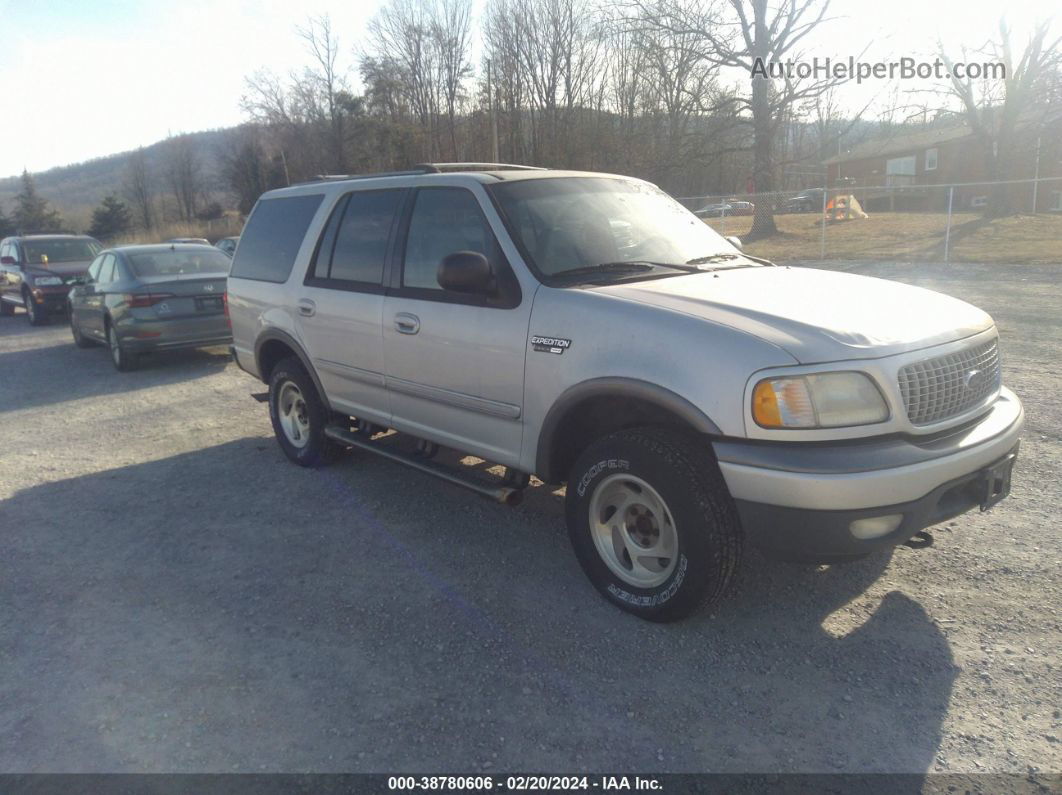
613 387
280 335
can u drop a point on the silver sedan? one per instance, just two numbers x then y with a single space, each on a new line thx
137 299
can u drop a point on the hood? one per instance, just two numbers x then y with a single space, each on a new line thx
815 315
76 268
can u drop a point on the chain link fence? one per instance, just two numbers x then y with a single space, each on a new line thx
986 222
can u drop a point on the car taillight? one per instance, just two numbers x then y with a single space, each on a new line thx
145 299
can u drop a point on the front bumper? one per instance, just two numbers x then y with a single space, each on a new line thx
51 299
798 500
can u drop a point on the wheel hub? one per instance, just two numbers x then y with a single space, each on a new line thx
633 531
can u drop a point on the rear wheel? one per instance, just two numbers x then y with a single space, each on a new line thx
34 314
652 522
299 415
122 359
79 339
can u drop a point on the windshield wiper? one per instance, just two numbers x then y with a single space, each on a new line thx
619 267
710 258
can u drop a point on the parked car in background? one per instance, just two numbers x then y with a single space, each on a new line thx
137 299
36 272
723 209
228 244
808 201
199 241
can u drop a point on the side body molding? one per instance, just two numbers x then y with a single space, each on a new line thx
614 387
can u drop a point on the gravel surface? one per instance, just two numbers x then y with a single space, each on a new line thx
178 597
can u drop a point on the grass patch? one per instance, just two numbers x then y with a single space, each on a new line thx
917 237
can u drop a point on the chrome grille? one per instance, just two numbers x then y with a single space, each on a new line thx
947 386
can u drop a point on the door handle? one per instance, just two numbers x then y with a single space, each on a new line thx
406 323
307 308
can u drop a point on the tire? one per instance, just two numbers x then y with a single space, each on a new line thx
80 340
299 416
33 314
122 359
674 499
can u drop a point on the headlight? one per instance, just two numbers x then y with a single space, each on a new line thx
823 400
47 281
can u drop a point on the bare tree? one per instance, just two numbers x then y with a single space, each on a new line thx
137 189
184 175
759 37
996 109
324 90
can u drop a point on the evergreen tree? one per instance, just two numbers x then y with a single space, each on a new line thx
7 227
111 218
33 213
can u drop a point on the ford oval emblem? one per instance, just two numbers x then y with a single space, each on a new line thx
974 380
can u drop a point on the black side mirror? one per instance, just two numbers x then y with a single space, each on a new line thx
467 272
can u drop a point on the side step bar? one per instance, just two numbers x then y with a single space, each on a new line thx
502 494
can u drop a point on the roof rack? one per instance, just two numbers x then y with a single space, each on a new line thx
423 168
334 177
439 168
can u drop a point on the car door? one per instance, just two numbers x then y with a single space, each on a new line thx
80 293
94 303
455 362
340 304
7 262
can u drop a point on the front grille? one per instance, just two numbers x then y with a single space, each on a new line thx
947 386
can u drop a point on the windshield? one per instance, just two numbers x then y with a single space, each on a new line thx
60 250
177 262
570 223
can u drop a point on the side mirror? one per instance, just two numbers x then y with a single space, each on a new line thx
735 241
7 260
466 272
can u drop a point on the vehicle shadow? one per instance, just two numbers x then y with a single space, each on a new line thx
224 610
70 373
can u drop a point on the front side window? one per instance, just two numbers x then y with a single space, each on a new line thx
94 268
444 221
106 270
573 223
273 236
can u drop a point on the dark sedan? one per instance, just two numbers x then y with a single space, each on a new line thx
138 299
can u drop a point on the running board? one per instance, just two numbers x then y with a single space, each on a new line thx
502 494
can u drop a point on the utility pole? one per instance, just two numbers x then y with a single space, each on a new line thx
493 115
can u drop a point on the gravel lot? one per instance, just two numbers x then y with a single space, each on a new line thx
177 597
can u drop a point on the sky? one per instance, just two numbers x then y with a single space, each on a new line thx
91 78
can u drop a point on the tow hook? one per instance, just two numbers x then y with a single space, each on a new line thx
920 540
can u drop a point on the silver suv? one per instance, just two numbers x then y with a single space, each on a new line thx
587 329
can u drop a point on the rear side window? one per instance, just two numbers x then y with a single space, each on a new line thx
354 244
272 238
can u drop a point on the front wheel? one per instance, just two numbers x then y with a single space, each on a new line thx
299 415
652 522
34 314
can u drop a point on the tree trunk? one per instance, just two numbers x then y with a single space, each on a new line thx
762 131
